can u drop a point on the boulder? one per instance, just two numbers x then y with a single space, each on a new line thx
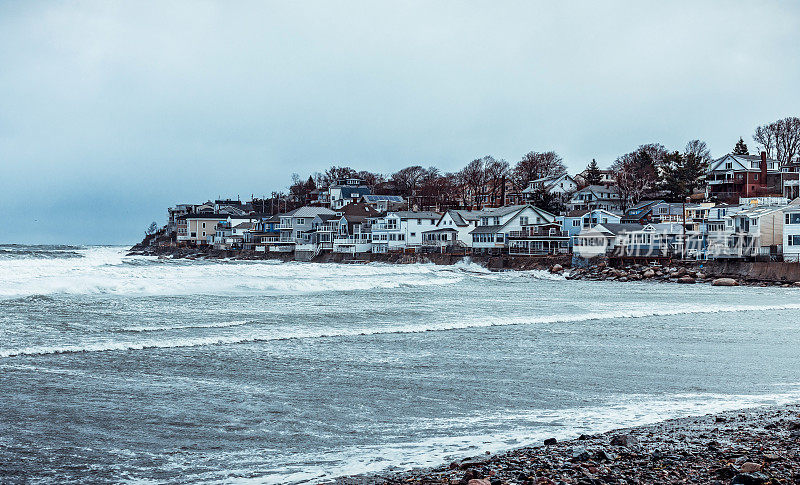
579 453
750 467
479 481
724 282
686 280
749 479
626 440
557 268
649 273
550 441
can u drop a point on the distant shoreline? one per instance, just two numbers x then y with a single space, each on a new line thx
750 446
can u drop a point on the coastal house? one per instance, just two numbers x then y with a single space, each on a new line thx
195 229
654 240
494 225
641 213
560 186
757 232
462 221
733 176
264 233
791 232
384 203
603 239
574 222
346 191
595 197
297 226
607 178
401 229
538 239
353 230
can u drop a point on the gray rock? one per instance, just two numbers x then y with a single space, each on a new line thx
724 282
625 440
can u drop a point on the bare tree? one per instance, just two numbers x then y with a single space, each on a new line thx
496 173
765 136
330 176
788 139
406 180
474 178
536 165
698 149
636 172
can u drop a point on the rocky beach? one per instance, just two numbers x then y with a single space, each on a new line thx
749 447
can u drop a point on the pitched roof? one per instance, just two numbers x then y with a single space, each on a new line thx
379 197
308 211
616 229
417 214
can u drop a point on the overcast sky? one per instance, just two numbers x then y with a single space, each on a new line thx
112 111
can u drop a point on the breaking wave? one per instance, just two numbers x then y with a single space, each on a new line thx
477 322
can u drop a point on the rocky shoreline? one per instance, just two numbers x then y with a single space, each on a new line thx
683 274
756 446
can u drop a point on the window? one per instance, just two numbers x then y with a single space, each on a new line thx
499 237
300 221
576 223
204 226
419 221
523 221
793 218
753 164
728 165
755 177
401 237
496 221
413 234
794 240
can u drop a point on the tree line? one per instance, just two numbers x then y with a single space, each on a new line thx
488 181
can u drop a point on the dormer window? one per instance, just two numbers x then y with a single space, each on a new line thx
728 165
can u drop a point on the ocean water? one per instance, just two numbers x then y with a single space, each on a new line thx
135 369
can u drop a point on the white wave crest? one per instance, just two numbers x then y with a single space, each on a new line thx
477 322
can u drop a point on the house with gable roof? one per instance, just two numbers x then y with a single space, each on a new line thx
491 234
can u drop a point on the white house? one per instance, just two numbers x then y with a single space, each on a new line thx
346 191
576 221
494 225
603 239
463 221
299 225
757 231
791 232
401 229
561 186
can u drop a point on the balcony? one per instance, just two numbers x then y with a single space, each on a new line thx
537 232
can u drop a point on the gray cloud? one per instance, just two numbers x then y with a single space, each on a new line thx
111 111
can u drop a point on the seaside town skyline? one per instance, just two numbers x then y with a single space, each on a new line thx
651 202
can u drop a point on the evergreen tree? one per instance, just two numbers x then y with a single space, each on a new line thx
683 173
741 148
548 201
593 175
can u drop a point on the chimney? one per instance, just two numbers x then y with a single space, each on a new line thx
763 180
